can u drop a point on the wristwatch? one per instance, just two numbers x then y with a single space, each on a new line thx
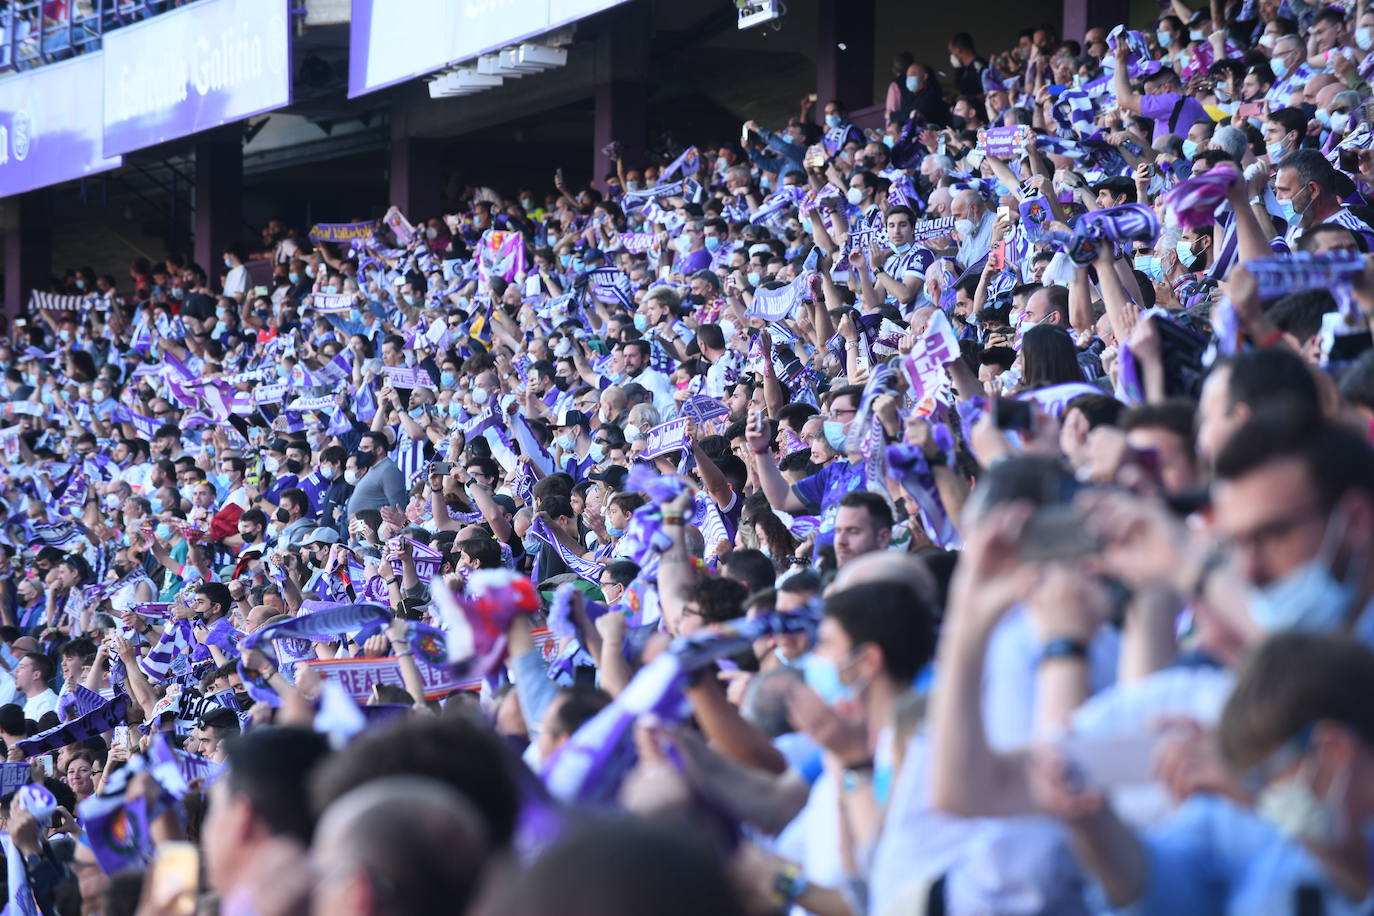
789 885
1063 647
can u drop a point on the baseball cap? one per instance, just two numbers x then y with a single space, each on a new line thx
593 254
571 417
321 535
613 476
27 644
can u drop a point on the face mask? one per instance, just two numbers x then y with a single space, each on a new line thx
712 243
765 183
532 545
615 532
447 379
1195 35
832 120
328 471
632 431
479 395
912 84
1149 266
855 196
889 141
1275 151
1309 598
787 138
410 300
163 531
331 289
597 453
565 260
1267 40
683 243
1364 37
355 315
641 322
954 62
1293 807
632 186
823 676
834 434
80 284
178 293
228 263
270 464
64 335
219 330
565 442
417 413
1279 66
309 270
351 478
964 227
294 277
1189 149
1184 249
1223 94
754 278
1164 38
1339 122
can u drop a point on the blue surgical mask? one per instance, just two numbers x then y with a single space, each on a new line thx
1310 598
615 532
355 315
834 434
331 289
228 263
532 544
597 453
80 284
787 138
889 141
1275 150
1279 66
416 413
1288 211
219 330
565 260
294 277
1189 149
447 379
912 84
1164 38
1184 249
1149 266
755 278
712 243
565 442
155 505
480 395
823 676
832 120
309 270
178 293
163 531
641 322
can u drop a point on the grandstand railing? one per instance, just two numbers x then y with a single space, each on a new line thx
38 32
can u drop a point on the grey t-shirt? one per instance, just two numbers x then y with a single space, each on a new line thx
384 485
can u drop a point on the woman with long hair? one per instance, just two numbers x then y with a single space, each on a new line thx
1048 357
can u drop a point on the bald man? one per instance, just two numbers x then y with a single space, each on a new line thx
399 845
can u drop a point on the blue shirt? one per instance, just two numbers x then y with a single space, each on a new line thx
1214 856
825 489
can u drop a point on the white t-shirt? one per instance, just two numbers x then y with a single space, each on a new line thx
39 704
236 282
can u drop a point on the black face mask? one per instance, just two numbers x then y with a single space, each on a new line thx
293 466
561 382
283 516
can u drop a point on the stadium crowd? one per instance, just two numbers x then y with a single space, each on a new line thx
974 515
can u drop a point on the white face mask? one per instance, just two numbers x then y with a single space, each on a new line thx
351 478
964 227
1364 37
479 396
954 61
855 196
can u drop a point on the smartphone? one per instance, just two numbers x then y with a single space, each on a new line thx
260 291
120 738
443 468
1250 110
47 764
997 260
756 421
1109 761
1058 533
175 878
1012 414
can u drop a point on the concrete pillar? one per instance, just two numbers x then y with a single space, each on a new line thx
1081 15
415 176
28 247
622 64
844 54
218 204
